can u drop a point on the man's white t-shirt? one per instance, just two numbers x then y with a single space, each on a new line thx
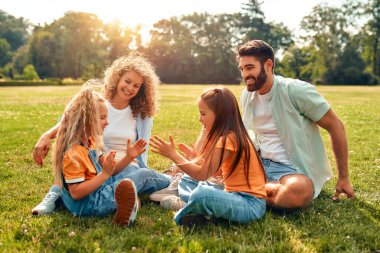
270 142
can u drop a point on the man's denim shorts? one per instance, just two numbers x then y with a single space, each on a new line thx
274 170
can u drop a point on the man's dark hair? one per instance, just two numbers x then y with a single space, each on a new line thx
257 48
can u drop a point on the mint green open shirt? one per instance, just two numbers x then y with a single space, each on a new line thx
296 106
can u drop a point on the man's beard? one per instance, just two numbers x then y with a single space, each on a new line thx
259 81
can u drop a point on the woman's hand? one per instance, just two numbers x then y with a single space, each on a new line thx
136 149
41 149
164 148
108 164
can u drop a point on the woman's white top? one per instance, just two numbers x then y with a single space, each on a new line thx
121 127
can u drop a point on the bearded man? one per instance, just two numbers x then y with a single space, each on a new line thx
282 116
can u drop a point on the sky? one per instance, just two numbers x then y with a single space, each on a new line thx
147 12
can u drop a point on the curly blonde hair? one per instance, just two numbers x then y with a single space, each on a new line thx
80 118
145 102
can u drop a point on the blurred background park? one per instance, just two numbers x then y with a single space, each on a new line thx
334 44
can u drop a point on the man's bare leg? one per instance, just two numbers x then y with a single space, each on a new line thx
292 191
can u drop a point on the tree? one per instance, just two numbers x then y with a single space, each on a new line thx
327 33
294 63
5 52
253 9
350 67
30 73
13 35
214 36
196 48
117 40
21 58
44 52
13 30
7 71
339 44
77 45
170 48
78 37
371 9
254 26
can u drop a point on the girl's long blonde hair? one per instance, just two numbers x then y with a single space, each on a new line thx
80 120
145 102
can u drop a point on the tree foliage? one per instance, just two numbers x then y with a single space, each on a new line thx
196 48
5 52
254 26
336 52
200 48
371 42
13 30
29 73
13 35
335 47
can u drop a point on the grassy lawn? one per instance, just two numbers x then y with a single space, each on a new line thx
325 226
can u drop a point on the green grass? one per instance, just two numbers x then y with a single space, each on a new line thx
325 226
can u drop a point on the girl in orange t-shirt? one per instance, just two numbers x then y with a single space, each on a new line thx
227 150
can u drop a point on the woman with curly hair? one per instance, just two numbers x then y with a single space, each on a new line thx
131 93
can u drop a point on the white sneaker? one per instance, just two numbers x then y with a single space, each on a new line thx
172 189
172 170
172 202
47 205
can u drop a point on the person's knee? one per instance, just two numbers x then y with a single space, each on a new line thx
146 173
200 192
293 191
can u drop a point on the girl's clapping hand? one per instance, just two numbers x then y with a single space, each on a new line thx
108 165
162 147
190 153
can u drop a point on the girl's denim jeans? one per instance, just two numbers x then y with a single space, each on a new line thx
211 200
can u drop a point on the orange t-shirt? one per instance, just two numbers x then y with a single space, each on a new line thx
77 166
237 181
